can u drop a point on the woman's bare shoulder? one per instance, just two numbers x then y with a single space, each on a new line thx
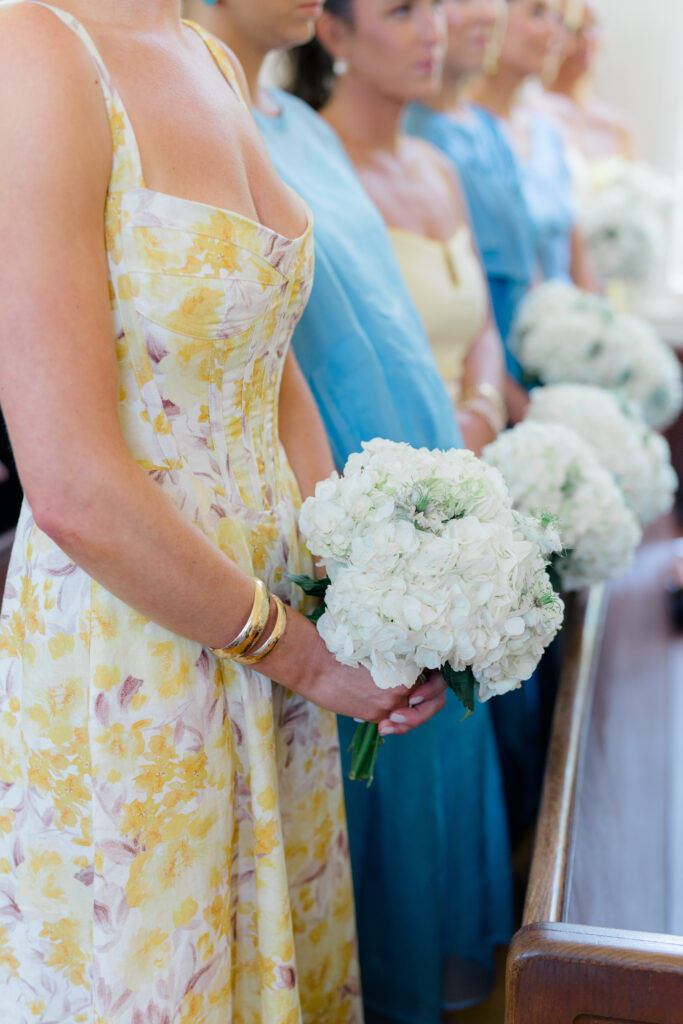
48 81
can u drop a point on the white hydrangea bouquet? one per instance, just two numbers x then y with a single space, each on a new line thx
429 567
623 216
565 335
652 379
638 458
551 471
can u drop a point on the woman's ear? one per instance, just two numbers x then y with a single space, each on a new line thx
333 35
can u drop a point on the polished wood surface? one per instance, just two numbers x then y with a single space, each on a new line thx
560 973
549 870
601 937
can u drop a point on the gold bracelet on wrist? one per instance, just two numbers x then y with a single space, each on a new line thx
253 628
480 407
492 396
273 639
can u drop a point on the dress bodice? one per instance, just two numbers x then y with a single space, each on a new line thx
204 304
476 144
489 174
449 290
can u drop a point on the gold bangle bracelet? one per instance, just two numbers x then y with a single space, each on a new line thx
492 395
273 639
481 407
253 628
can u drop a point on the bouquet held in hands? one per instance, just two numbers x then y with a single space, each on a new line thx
429 567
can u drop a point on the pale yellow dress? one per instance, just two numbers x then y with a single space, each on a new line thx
173 845
449 289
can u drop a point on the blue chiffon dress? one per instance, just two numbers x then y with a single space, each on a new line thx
511 242
429 847
477 146
547 184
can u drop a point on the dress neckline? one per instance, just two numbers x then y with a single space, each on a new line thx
219 58
242 218
459 232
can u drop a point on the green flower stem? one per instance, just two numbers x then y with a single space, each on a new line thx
365 748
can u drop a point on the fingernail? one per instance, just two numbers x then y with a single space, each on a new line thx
414 701
386 730
361 720
399 719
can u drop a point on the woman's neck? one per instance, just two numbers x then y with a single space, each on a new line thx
498 93
363 117
451 97
569 86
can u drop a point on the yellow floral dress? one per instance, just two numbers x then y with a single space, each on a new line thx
172 836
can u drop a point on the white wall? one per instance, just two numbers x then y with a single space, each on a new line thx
641 71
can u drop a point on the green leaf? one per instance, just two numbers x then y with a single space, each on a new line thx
317 588
316 614
462 684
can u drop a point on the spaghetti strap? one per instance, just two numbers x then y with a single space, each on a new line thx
221 58
127 165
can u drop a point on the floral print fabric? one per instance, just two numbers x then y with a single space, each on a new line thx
172 835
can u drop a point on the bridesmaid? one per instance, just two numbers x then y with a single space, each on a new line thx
172 836
436 803
530 31
592 129
390 61
360 341
476 145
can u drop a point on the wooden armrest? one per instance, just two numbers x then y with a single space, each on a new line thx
582 632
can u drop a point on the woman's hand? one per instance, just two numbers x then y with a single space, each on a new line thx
320 678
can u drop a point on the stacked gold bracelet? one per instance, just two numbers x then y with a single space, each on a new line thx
487 401
244 648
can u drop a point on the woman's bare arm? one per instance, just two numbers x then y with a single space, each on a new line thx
581 270
59 381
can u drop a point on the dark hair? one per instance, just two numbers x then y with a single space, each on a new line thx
311 68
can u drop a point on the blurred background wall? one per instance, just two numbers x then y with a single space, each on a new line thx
641 71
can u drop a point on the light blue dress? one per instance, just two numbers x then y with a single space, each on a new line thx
478 148
428 840
548 189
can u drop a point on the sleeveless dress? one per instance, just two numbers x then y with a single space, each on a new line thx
488 171
172 836
428 839
449 290
548 190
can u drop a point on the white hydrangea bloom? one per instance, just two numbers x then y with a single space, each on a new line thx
652 380
565 335
626 238
551 471
637 457
430 564
623 216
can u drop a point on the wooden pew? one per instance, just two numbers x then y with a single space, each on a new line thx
600 938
